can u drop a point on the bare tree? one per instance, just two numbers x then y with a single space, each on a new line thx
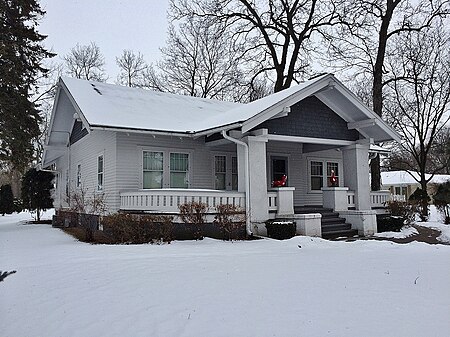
419 104
86 62
132 68
362 42
197 61
275 38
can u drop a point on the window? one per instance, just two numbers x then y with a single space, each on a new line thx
234 173
100 170
153 169
78 175
220 168
317 175
179 170
332 167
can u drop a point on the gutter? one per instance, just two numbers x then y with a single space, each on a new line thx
247 181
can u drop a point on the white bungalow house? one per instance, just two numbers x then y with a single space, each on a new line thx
150 151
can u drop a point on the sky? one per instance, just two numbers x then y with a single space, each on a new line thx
114 25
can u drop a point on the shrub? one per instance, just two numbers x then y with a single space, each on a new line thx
229 218
442 200
6 200
419 201
193 214
129 228
36 188
281 230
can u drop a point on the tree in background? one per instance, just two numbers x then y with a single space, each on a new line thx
6 200
36 191
274 38
86 62
366 38
198 61
419 99
21 56
442 200
132 68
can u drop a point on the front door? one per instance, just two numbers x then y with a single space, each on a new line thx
279 167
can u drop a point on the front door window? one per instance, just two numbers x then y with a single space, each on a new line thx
279 168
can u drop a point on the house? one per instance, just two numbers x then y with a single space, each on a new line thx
150 151
403 184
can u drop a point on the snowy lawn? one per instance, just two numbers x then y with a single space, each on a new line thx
297 287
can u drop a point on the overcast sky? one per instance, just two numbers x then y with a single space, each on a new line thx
114 25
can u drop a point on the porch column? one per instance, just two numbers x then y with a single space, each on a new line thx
242 174
356 173
259 205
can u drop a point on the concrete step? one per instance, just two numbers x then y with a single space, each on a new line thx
336 227
333 220
340 233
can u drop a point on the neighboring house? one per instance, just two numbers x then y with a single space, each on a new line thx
402 183
150 151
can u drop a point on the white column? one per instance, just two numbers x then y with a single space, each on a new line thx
356 173
242 174
259 207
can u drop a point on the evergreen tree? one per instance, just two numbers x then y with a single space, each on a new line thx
21 56
442 200
6 200
36 191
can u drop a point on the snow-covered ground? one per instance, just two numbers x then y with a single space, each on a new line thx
299 287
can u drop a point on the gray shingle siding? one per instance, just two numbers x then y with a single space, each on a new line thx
311 118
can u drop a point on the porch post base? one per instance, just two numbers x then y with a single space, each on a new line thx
335 198
309 224
364 221
285 202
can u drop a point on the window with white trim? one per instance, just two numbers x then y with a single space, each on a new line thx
179 170
100 172
78 175
234 173
318 177
153 165
220 169
165 169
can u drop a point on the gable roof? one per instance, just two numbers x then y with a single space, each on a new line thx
108 106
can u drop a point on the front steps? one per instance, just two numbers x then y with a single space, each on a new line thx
333 226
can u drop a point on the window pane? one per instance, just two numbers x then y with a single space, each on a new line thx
153 161
153 179
220 181
316 183
234 182
178 180
100 181
234 165
220 164
316 168
334 167
179 162
100 164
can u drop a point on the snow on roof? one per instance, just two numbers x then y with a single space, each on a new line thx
111 105
405 178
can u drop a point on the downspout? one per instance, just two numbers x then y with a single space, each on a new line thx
247 181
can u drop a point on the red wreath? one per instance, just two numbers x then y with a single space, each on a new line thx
281 182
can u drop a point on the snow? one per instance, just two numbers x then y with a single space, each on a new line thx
403 177
435 221
405 232
299 287
109 105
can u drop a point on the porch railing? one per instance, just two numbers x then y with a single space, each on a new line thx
168 200
378 199
273 201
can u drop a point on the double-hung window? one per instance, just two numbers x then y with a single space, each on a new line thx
153 169
165 169
100 170
78 175
225 172
318 177
179 170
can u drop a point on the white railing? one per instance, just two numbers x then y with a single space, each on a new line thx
398 197
168 200
351 199
273 200
379 198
